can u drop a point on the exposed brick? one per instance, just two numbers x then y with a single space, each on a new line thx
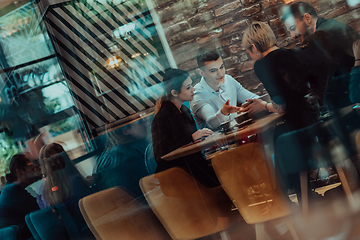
231 71
246 66
177 28
174 39
334 13
245 77
175 13
268 3
206 5
261 17
192 33
223 20
246 12
207 37
230 61
236 48
163 3
244 57
247 2
224 52
272 13
231 39
280 32
286 42
191 64
349 16
227 8
241 25
185 56
201 17
275 23
184 48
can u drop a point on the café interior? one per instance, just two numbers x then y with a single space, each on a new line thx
85 77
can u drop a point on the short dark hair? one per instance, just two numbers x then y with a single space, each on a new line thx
298 10
207 56
18 161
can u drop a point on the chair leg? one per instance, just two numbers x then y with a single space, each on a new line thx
304 193
345 185
224 235
260 232
291 228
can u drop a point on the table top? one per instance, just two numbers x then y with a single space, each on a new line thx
257 126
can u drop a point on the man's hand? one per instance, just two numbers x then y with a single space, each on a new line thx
253 106
227 108
202 133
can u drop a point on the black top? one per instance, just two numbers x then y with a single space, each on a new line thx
15 203
284 78
328 53
342 34
172 129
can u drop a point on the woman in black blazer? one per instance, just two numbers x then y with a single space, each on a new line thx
173 126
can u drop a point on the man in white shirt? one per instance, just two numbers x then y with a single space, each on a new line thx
217 94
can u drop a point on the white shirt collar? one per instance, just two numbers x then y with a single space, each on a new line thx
207 87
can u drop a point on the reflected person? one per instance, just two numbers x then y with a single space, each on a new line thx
63 183
173 126
123 162
217 94
15 201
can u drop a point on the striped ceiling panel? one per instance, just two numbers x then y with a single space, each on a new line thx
111 54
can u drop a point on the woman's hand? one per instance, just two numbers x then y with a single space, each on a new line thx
253 106
227 108
202 133
356 50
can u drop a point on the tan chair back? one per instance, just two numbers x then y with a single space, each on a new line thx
186 208
113 214
245 176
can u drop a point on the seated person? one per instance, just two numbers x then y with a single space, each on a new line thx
354 87
173 127
15 201
217 94
62 182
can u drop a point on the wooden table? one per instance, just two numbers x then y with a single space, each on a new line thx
257 126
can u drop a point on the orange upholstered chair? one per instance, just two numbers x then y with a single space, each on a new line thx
186 208
113 214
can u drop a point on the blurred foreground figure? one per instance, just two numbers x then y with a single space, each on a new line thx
123 162
15 201
62 182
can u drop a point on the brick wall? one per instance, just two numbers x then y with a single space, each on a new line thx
191 26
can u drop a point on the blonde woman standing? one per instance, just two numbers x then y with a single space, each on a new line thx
283 76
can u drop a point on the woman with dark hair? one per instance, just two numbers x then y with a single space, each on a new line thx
173 126
15 201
